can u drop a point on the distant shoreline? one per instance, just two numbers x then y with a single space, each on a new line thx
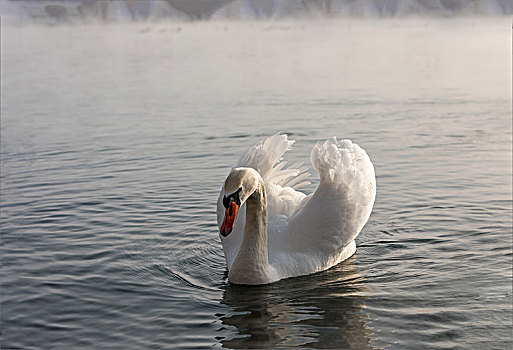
77 11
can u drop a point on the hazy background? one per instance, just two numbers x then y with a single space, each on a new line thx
77 11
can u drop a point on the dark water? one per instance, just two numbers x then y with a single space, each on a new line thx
116 139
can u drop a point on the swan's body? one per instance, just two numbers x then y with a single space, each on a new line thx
280 232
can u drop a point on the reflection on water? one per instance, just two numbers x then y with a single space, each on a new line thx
327 309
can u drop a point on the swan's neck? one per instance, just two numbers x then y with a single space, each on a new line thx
251 266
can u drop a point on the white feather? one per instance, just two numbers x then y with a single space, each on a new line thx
311 233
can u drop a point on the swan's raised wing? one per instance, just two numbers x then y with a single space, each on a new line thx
333 216
281 182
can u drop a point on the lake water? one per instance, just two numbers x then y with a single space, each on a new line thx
115 140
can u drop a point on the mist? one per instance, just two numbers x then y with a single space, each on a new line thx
22 12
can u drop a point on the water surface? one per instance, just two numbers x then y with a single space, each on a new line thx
115 141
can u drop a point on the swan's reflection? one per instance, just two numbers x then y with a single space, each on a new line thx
322 310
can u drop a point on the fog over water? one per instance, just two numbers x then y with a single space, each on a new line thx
116 138
104 11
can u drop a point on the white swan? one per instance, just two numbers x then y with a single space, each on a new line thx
270 231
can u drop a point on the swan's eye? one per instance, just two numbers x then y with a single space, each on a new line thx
234 197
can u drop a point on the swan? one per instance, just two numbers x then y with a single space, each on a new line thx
270 230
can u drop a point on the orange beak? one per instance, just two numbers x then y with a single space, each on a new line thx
229 219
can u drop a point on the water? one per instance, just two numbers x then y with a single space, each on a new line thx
115 141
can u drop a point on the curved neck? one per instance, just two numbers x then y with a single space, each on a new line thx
254 241
251 266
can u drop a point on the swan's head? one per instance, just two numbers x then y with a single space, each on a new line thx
239 185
